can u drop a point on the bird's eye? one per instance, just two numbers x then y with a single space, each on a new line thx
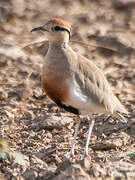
57 28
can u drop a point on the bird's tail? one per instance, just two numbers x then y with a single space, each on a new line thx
120 111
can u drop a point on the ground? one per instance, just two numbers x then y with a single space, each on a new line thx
35 133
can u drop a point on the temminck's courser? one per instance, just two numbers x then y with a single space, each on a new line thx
74 82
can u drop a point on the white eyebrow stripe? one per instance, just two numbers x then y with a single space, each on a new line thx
68 30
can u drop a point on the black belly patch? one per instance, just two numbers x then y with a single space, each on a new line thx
68 108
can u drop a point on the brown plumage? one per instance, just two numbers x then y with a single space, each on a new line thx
73 81
59 22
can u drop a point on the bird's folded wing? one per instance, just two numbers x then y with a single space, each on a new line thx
94 84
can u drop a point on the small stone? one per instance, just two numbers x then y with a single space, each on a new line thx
24 134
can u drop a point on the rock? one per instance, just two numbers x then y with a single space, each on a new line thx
73 172
30 174
114 141
123 4
53 122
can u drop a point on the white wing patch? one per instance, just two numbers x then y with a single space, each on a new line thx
76 92
80 101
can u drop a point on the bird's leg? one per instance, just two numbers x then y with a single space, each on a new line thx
71 153
91 124
74 140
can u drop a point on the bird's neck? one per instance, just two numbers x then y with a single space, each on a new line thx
61 39
57 44
56 56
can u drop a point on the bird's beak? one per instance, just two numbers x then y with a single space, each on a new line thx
40 28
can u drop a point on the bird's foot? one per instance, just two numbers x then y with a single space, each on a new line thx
70 155
86 160
86 156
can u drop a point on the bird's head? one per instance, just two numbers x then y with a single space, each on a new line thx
56 30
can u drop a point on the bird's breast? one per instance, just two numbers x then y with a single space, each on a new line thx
54 84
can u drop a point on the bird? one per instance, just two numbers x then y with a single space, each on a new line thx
74 82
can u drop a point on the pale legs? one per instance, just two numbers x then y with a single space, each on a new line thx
85 154
71 153
74 140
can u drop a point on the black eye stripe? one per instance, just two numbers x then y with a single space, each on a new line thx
58 28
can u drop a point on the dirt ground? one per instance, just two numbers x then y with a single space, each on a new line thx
37 132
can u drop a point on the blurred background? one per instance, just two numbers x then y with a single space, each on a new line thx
28 120
105 23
